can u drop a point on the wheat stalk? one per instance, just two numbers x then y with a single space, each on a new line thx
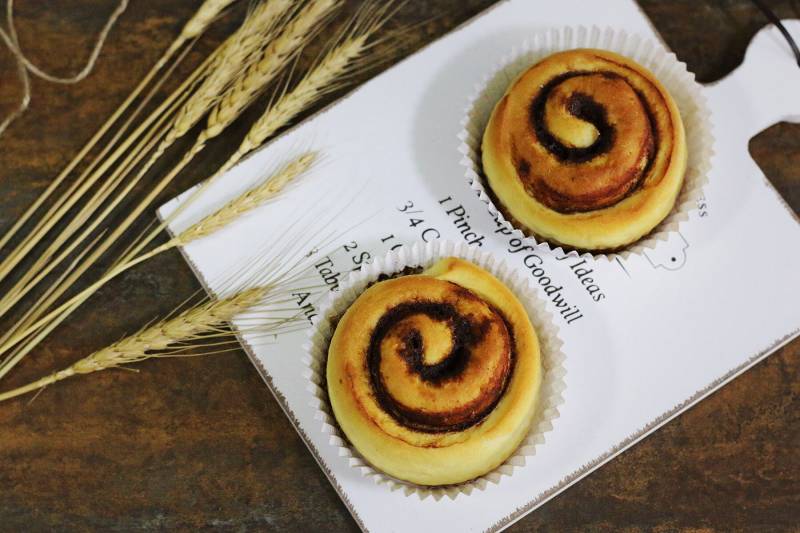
220 218
155 340
50 258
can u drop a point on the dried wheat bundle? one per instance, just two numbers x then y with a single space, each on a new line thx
94 212
235 52
306 19
346 57
243 66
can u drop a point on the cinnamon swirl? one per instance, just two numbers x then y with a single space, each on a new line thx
434 378
586 149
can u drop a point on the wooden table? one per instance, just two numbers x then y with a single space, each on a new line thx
201 444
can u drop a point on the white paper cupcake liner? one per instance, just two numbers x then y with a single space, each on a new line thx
420 255
672 73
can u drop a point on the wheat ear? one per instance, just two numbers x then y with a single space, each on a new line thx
273 59
245 203
203 17
153 341
229 60
335 65
225 215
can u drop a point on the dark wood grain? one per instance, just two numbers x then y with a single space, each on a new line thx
201 444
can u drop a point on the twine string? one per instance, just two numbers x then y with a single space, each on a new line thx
25 66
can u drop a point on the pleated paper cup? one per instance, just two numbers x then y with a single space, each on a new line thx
673 75
393 264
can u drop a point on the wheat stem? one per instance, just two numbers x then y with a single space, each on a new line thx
86 181
48 260
33 312
20 331
38 384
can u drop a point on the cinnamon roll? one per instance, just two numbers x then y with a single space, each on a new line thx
586 149
434 377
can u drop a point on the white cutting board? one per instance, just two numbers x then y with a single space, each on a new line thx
674 325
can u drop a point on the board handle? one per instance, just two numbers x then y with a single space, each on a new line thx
763 90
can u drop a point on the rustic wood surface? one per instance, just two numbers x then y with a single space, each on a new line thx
202 444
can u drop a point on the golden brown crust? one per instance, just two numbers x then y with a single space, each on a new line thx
434 377
586 149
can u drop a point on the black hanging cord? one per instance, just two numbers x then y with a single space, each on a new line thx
777 22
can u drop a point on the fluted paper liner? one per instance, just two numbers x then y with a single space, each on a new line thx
418 255
672 73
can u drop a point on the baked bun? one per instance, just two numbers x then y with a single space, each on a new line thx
434 378
586 149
